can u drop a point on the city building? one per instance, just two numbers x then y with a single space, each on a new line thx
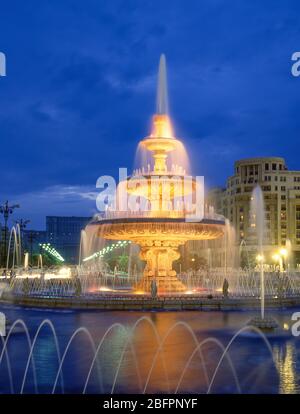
281 189
64 234
3 232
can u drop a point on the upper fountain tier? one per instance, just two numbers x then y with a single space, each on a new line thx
164 184
161 140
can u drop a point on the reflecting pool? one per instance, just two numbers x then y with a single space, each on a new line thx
126 352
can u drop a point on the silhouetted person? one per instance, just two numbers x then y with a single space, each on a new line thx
153 289
225 288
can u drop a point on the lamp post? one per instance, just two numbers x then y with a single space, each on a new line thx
280 257
31 237
283 253
7 210
277 259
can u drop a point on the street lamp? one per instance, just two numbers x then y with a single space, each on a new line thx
283 253
31 237
276 257
7 210
22 223
280 257
260 258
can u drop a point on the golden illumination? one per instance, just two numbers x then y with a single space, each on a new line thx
283 252
260 258
160 142
162 127
162 228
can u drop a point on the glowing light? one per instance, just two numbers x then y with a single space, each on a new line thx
260 258
162 127
107 249
105 289
28 276
52 251
283 252
276 257
63 273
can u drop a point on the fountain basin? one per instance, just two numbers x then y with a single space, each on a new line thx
265 324
159 240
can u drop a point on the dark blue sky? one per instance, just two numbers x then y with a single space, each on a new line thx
81 82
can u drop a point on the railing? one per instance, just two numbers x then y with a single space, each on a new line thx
117 214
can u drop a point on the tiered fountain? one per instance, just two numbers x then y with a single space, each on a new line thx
165 199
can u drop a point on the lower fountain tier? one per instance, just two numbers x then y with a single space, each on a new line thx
159 230
159 242
159 262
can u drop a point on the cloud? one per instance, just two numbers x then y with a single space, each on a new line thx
57 200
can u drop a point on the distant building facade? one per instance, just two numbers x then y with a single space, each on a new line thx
281 189
64 234
2 243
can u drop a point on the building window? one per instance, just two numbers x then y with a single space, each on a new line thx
267 167
266 188
274 167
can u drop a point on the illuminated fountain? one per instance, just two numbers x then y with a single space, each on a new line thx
159 208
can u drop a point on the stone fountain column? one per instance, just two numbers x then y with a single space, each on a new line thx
159 257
